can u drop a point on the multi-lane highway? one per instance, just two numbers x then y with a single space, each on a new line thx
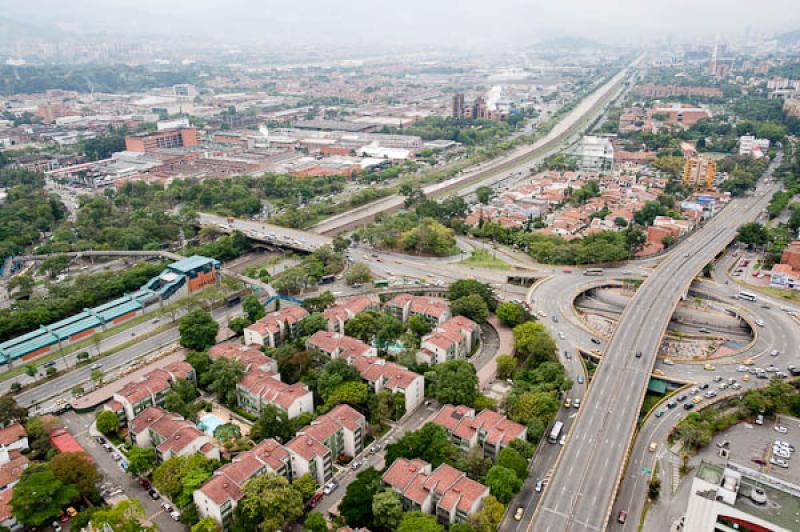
589 469
498 169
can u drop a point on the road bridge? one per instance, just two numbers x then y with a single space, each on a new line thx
578 497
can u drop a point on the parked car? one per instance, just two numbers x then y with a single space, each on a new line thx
154 495
518 513
781 429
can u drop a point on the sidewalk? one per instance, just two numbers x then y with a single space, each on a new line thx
489 371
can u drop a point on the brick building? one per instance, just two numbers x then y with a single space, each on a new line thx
158 140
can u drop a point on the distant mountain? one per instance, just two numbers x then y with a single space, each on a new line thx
569 43
13 29
788 38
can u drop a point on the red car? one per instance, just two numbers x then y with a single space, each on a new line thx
758 460
567 270
623 515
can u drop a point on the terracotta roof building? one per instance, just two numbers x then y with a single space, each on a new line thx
382 375
14 437
275 327
445 491
134 397
337 345
488 430
259 388
170 435
453 339
433 309
249 356
340 313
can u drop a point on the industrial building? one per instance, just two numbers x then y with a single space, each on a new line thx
158 140
179 278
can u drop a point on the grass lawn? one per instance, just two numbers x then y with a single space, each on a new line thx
778 293
485 259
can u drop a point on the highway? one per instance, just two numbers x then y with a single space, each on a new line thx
589 469
490 172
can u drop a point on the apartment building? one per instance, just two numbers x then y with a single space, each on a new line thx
337 345
445 492
218 497
488 430
342 312
453 339
382 375
159 140
275 327
134 397
14 437
259 388
751 146
699 173
247 355
432 309
313 450
170 435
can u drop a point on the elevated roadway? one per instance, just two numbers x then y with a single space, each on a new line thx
590 466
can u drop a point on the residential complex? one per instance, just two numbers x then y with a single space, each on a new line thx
487 430
432 309
149 391
275 327
170 435
451 340
699 173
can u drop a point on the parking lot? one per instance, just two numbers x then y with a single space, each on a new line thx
749 442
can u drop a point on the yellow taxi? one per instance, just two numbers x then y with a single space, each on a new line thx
653 447
658 372
746 377
709 367
748 362
697 399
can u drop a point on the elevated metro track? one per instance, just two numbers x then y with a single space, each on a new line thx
590 466
495 170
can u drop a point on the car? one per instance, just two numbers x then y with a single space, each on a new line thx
638 354
779 462
671 404
723 444
567 402
116 457
781 374
723 386
555 318
107 446
704 386
175 515
155 320
746 377
710 394
717 378
659 413
781 429
760 323
330 487
100 440
144 483
668 362
697 399
539 485
49 364
576 403
154 495
758 460
652 447
785 444
760 419
709 367
561 335
96 365
580 379
748 362
518 513
596 341
688 406
694 391
681 398
623 515
780 453
562 441
774 353
741 368
166 506
658 372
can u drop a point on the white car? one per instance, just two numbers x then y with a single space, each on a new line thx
561 335
780 453
781 429
779 462
741 368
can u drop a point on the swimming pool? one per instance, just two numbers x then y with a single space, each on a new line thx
208 423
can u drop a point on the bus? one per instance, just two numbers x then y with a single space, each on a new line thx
747 296
327 279
381 283
593 271
555 432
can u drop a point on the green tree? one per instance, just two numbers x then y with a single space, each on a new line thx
356 505
238 324
454 382
753 234
107 422
488 518
319 303
359 273
340 243
514 461
305 485
472 306
512 314
363 326
312 323
466 287
315 522
387 509
31 370
270 501
141 460
207 524
534 344
484 194
419 326
527 406
179 476
272 423
78 470
227 433
419 522
334 373
253 308
502 483
223 376
506 364
39 496
351 393
125 516
198 330
201 363
430 443
11 412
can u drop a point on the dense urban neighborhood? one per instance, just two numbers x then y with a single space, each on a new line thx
295 282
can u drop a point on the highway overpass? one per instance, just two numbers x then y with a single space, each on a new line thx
490 172
589 468
267 234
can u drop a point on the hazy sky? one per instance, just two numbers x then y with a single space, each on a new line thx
376 22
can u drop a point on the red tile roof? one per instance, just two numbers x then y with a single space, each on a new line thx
374 369
330 342
266 385
249 356
11 471
307 447
12 434
64 442
347 416
271 322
